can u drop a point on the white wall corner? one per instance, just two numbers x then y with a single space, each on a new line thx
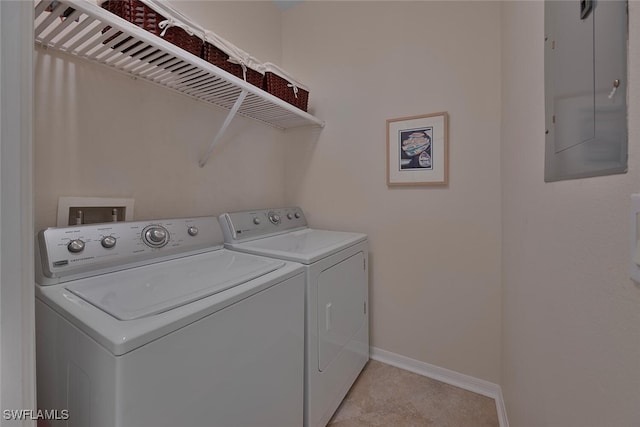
17 367
447 376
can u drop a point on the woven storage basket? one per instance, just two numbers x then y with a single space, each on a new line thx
217 57
278 83
146 18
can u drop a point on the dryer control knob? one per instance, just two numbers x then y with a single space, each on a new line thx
289 216
108 242
75 246
274 218
297 214
256 221
193 230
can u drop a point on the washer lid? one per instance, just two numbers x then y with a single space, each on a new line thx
145 291
305 246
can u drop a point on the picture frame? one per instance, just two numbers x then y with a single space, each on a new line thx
418 150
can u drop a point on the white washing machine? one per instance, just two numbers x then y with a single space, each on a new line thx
337 325
154 323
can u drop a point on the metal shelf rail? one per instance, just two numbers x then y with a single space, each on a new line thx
85 30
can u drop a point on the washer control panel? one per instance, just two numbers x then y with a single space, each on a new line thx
246 225
82 250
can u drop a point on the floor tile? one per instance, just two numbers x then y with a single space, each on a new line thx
384 395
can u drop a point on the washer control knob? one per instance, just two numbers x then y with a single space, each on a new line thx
289 216
75 246
108 242
193 230
297 215
274 218
155 236
256 221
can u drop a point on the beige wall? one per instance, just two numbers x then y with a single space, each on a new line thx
435 252
100 133
571 327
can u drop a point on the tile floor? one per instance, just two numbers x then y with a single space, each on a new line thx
387 396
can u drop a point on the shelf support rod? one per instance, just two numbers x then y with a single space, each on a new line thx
223 129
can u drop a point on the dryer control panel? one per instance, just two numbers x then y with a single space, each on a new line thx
68 253
248 225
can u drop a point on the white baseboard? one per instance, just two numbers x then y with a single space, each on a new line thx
447 376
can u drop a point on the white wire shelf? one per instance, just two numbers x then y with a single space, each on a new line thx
88 32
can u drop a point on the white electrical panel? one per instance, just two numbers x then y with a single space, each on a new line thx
585 88
635 237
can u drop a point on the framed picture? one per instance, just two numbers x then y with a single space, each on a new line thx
418 150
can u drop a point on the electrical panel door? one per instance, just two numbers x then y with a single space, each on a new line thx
585 88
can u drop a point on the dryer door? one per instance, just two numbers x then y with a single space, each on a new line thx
342 291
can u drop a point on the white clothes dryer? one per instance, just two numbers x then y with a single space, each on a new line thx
153 323
337 297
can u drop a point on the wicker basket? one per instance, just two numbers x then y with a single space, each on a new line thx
146 18
217 57
285 89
